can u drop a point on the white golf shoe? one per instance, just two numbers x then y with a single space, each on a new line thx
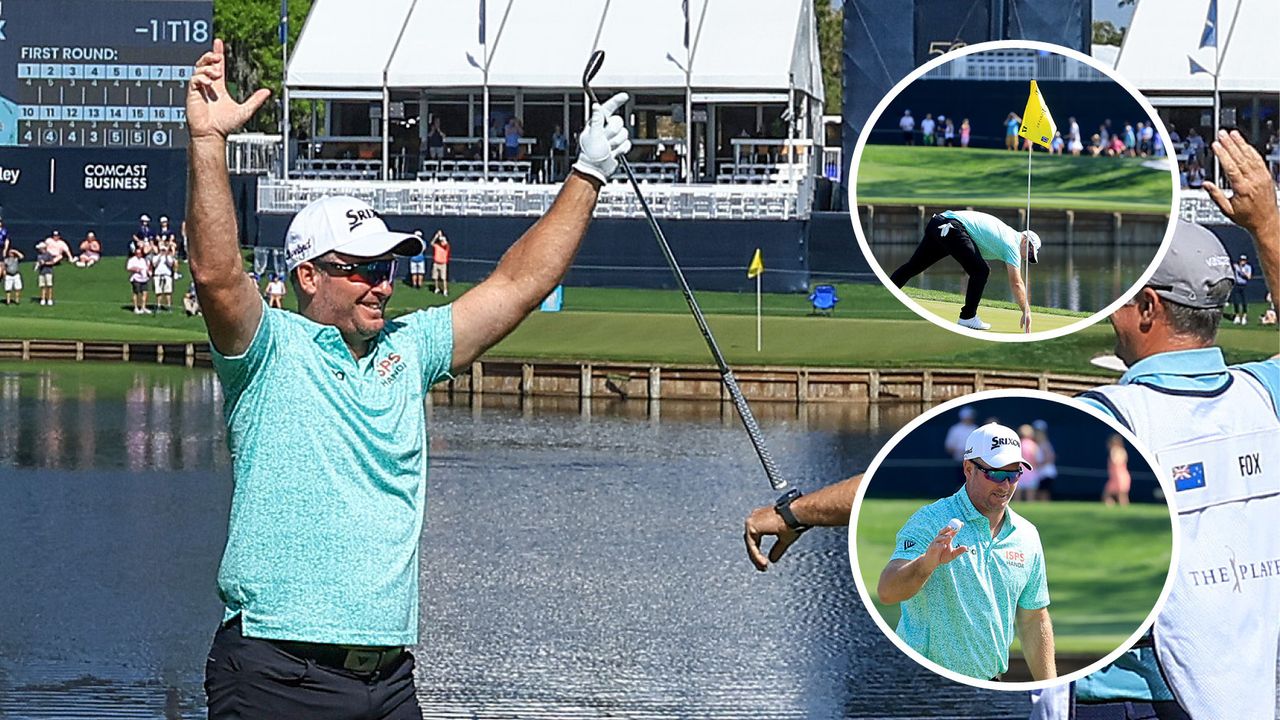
973 323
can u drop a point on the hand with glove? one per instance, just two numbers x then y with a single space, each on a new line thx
603 140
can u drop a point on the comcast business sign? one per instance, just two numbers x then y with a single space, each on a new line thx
115 176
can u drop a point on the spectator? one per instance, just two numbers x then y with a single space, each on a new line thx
12 276
1239 292
1095 147
275 292
1130 141
1195 174
511 139
1195 146
1268 316
191 303
1116 149
1048 466
927 126
1074 144
908 126
139 274
440 263
417 266
165 236
1029 486
560 151
1104 130
435 140
959 433
949 133
164 265
59 248
144 235
1147 138
45 261
4 240
964 133
90 250
1116 490
1057 144
1011 125
1174 137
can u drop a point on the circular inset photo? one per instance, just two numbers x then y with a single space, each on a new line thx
1013 539
1013 190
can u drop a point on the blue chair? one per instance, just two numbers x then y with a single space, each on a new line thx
824 299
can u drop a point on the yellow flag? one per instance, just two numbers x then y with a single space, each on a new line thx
757 265
1037 123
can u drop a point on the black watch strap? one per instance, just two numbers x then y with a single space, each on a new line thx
783 508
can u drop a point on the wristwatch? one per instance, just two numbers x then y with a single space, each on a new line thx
783 508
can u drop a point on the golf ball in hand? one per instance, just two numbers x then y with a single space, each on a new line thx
955 524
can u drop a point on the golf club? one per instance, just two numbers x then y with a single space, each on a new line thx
726 375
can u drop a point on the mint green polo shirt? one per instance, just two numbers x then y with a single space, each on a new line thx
329 457
963 617
995 240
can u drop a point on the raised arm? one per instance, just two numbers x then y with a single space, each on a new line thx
902 579
1019 289
827 507
232 308
532 267
1252 205
1036 631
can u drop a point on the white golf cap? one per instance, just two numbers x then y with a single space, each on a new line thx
144 218
346 225
1033 252
996 446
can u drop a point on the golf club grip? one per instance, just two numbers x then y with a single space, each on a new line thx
753 430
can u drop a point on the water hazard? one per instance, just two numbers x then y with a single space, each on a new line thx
577 563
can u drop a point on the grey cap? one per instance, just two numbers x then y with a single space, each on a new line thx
1196 261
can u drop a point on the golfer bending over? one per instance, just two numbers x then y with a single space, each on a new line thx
972 238
320 571
959 603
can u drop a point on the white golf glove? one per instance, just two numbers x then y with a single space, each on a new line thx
603 140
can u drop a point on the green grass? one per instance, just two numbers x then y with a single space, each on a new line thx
870 328
951 177
1105 565
1003 315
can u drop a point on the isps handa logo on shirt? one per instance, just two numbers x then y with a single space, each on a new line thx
389 368
1015 558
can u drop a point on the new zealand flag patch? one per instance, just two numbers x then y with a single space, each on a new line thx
1188 477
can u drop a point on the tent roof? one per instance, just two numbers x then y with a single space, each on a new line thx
1164 37
737 44
346 44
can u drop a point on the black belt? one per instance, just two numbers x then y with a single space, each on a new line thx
345 657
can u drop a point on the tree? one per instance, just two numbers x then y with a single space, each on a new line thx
1106 33
250 29
831 51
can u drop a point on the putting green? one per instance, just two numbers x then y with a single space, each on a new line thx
1002 320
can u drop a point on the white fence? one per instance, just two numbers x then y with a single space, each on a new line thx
785 201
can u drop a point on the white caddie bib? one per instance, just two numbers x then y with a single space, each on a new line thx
1217 636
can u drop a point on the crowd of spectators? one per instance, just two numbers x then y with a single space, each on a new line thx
154 263
1127 140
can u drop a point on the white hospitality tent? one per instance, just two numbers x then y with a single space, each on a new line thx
739 52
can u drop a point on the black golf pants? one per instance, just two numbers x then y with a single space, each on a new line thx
934 246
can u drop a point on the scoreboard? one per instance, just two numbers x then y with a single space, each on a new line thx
98 73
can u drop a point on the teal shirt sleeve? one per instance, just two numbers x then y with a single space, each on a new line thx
1266 372
434 330
237 371
913 539
1035 594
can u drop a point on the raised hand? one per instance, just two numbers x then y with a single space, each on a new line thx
940 551
211 111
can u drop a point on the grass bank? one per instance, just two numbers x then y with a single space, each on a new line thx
959 177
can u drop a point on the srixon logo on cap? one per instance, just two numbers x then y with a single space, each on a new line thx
358 215
998 441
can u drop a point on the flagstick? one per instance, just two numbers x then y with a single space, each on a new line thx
1030 147
758 310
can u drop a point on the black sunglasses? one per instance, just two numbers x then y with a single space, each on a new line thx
999 476
372 272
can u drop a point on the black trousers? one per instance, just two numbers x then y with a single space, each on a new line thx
1239 301
250 678
934 246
